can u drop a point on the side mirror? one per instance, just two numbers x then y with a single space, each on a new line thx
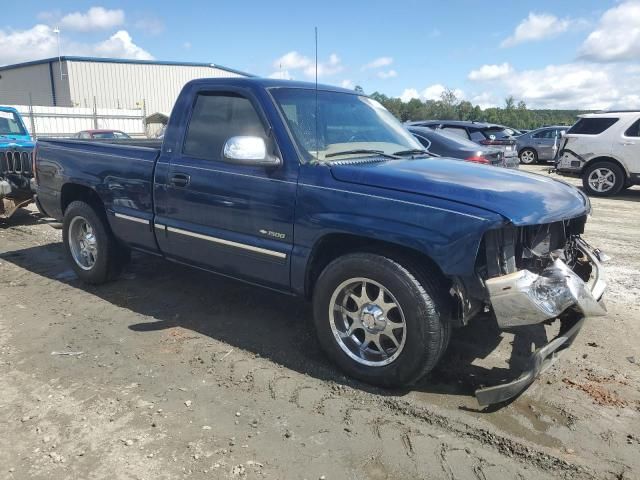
246 150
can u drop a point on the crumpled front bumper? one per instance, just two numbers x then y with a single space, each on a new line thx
525 298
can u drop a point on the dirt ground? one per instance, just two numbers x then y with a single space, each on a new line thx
175 373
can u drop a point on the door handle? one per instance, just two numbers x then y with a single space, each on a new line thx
626 144
180 180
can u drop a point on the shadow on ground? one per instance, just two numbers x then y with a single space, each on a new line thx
272 325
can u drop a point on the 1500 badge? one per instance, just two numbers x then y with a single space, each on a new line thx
272 234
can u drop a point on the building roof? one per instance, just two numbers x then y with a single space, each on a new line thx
124 60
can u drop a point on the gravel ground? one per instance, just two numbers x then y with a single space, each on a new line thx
174 373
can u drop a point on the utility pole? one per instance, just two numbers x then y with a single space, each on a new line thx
57 32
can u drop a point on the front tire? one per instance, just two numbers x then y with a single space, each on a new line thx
528 156
379 322
93 252
603 179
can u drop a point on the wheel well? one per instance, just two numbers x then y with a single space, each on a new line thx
333 246
72 192
604 160
527 148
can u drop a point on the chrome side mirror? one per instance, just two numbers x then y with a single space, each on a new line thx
247 150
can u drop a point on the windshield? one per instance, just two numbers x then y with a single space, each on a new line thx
10 124
348 123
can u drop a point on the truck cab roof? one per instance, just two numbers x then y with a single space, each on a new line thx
268 83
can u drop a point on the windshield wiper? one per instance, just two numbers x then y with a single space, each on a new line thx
413 151
361 151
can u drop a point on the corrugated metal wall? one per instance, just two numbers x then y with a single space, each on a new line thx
19 85
126 85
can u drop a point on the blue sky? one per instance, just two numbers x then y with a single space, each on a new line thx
572 53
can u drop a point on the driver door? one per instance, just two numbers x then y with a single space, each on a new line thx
227 217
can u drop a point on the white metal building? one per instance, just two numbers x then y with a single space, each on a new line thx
102 82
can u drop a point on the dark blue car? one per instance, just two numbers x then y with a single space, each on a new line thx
323 193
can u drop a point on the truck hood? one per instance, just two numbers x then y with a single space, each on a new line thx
522 198
21 141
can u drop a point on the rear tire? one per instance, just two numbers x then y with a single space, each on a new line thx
603 179
348 293
91 248
528 156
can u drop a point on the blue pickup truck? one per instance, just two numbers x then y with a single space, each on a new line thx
321 192
16 158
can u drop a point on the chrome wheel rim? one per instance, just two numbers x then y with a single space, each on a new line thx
83 243
527 157
602 179
367 322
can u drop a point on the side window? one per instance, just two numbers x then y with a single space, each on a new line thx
592 125
457 131
633 130
216 118
545 134
477 136
84 135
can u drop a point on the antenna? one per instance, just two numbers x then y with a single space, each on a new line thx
316 67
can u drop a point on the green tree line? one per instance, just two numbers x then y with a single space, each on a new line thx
514 113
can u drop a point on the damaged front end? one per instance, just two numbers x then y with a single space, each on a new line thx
539 274
16 179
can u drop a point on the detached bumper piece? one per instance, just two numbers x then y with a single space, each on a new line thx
541 359
525 298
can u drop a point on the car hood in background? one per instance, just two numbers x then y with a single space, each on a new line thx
522 198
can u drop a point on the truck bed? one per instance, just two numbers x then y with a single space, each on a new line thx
121 172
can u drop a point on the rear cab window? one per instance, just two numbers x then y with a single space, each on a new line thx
217 117
592 125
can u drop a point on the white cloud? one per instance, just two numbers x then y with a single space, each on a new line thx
325 69
378 63
484 100
409 94
573 85
281 75
292 60
187 45
490 72
617 37
347 84
40 42
536 26
96 18
295 61
387 74
432 92
36 42
120 45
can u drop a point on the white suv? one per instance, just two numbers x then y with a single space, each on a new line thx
604 149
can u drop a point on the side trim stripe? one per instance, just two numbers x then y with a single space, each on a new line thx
222 241
133 219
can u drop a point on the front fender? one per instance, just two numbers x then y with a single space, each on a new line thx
448 237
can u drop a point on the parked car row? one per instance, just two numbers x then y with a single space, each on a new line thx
485 134
443 144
